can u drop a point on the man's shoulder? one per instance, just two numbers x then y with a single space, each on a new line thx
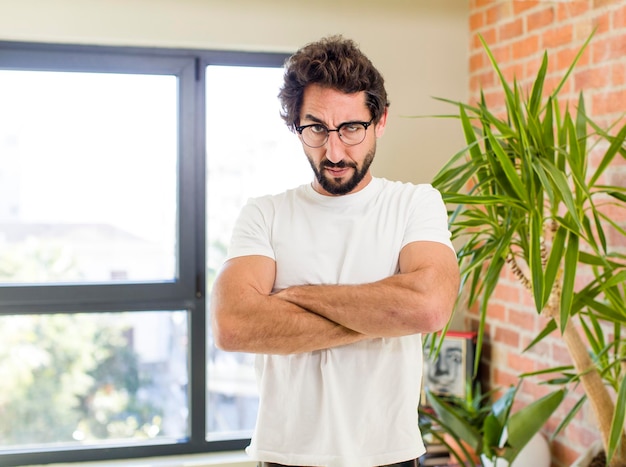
401 187
273 198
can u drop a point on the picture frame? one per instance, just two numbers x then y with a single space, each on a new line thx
448 372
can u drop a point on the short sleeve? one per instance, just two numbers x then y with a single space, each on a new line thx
428 219
251 234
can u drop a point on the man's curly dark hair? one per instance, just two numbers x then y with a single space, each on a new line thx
333 62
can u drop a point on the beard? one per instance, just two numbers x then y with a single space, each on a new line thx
336 186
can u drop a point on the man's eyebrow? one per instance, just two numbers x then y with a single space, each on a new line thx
314 119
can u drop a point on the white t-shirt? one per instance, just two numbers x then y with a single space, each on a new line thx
354 405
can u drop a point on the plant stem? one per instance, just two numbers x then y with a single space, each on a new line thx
601 403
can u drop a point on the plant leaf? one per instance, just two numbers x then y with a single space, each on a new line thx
457 424
569 277
524 423
617 424
512 177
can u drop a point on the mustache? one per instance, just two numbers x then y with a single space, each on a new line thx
337 165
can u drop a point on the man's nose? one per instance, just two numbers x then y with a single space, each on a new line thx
335 149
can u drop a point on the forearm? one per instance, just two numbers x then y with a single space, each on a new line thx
258 323
392 307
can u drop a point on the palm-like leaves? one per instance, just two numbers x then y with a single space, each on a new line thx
526 196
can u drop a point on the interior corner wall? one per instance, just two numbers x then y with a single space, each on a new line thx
420 46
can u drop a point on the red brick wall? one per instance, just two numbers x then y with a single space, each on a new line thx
518 32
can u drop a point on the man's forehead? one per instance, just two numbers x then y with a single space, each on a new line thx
321 103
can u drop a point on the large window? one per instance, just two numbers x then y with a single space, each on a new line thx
88 170
121 174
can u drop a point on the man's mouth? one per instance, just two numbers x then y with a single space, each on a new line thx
337 172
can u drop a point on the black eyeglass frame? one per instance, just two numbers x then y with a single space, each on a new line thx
366 125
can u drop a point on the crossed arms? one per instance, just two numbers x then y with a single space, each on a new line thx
247 317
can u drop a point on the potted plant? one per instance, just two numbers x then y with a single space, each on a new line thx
476 428
526 196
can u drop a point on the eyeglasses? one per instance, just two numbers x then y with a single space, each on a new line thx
350 133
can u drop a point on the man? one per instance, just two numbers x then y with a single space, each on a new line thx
332 283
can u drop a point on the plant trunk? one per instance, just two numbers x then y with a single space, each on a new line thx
597 393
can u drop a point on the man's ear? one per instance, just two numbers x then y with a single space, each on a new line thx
380 126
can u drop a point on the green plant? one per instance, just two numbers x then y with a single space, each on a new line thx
486 427
526 196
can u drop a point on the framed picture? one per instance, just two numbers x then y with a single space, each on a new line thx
449 372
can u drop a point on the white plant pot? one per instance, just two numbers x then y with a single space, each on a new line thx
536 454
585 459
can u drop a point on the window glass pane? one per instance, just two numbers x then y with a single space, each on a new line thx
250 152
93 378
87 177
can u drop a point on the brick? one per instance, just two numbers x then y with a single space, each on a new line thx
498 12
602 3
511 29
560 355
522 319
618 74
507 292
619 18
550 427
476 20
489 35
482 3
583 29
592 78
497 311
581 435
569 402
526 46
616 213
520 7
617 239
486 79
564 58
571 8
520 364
540 19
555 37
504 378
613 48
506 275
600 50
602 24
540 348
552 82
565 451
477 61
474 85
501 53
528 300
536 391
493 98
608 102
507 336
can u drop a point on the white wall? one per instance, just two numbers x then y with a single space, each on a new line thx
420 46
